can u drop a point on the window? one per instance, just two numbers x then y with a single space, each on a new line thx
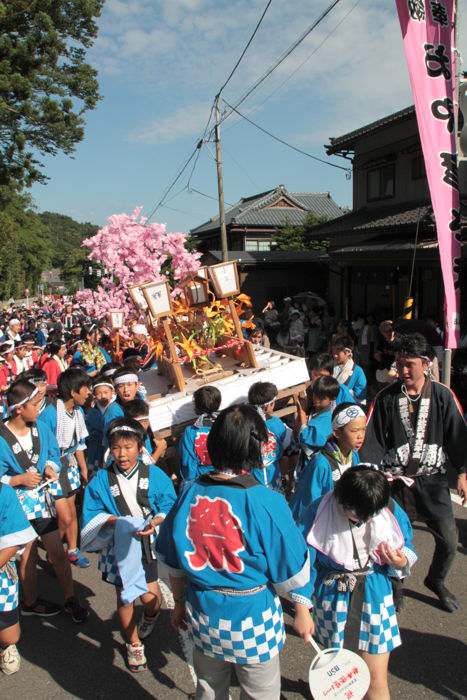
380 183
257 244
418 168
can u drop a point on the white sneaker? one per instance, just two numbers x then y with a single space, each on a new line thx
135 657
10 660
146 625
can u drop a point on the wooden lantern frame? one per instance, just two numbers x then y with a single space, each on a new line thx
190 292
119 325
217 286
146 289
136 293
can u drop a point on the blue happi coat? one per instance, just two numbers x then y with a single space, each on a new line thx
15 531
279 436
99 503
235 536
379 631
194 456
113 411
356 384
317 478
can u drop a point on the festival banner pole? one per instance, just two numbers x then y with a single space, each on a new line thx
428 31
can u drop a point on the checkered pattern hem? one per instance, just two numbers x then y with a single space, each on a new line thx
8 592
74 477
255 641
379 631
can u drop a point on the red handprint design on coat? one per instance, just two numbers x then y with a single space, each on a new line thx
201 448
216 536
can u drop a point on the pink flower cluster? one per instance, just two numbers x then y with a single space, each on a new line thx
132 252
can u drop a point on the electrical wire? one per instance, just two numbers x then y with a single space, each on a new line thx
208 196
246 48
286 143
170 187
283 56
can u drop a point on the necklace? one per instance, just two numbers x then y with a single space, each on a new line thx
406 394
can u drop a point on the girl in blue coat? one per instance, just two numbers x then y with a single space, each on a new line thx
194 456
346 371
358 539
263 395
232 547
123 505
326 466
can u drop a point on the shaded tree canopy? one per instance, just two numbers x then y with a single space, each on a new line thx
300 237
46 85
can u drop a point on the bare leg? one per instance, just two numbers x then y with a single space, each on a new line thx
10 635
152 600
72 529
27 571
126 615
378 665
63 515
57 557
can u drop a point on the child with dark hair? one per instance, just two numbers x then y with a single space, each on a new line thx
314 422
126 384
104 395
263 395
55 363
231 547
322 365
29 458
15 532
66 420
358 539
153 448
326 466
124 504
346 371
194 456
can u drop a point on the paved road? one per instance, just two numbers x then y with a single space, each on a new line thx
63 660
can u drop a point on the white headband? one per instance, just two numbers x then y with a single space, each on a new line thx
346 416
124 429
126 379
110 372
102 382
21 403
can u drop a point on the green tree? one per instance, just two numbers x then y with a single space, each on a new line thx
65 237
299 238
46 85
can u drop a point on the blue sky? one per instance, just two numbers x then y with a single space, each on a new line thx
160 64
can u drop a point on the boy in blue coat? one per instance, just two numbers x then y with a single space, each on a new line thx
126 384
194 456
346 371
326 466
263 395
315 423
30 463
232 548
358 539
15 532
104 395
322 365
123 505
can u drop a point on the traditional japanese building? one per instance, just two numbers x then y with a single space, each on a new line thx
386 246
252 222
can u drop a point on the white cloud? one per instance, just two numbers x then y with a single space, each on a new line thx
183 122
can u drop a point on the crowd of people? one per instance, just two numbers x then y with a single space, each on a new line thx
315 509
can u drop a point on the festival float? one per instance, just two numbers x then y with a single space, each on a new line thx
193 315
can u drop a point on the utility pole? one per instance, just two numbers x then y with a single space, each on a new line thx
220 186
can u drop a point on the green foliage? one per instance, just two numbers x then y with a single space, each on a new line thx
297 238
31 243
45 84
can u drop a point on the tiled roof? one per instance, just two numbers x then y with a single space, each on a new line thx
269 256
347 141
364 220
259 210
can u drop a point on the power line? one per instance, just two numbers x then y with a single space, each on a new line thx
286 143
246 47
315 50
208 196
170 187
285 55
240 167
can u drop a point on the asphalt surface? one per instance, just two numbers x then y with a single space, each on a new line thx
64 660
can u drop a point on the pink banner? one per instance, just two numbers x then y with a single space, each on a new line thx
428 33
